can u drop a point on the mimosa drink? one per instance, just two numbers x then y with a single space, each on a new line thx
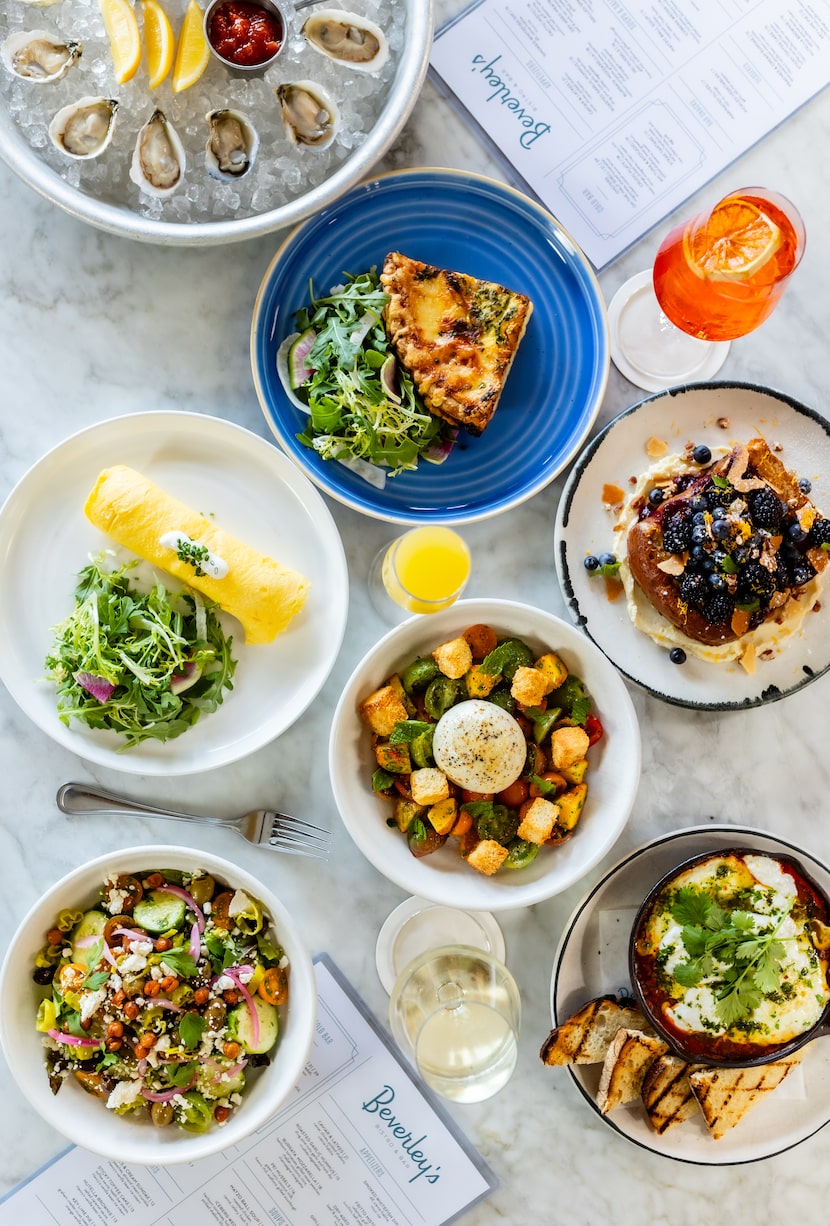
426 569
719 275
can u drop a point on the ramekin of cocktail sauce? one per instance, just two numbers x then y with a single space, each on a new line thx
244 35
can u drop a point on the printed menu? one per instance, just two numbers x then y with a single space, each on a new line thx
361 1141
613 112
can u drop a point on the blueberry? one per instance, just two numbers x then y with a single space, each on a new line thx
720 529
717 582
718 513
655 496
805 485
677 655
699 534
796 533
591 563
699 502
701 454
698 554
699 517
607 559
707 565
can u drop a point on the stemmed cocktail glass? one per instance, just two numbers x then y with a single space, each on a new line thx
717 276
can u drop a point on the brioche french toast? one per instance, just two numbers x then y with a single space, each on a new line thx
721 549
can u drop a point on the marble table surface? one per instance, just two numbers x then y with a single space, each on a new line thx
94 326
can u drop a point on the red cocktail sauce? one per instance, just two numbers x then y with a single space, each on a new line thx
706 1046
244 34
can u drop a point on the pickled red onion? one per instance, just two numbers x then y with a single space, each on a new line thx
164 1096
72 1040
227 1073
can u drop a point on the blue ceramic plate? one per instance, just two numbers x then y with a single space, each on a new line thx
473 225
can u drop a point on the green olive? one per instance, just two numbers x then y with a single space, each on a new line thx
202 889
215 1014
161 1114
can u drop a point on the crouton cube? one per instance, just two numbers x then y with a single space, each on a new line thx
382 710
428 785
480 684
567 745
453 658
554 669
487 857
529 686
539 820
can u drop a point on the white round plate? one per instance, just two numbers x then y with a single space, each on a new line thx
584 525
592 959
254 493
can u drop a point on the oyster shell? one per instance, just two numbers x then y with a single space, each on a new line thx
347 38
84 129
158 158
232 145
309 114
37 56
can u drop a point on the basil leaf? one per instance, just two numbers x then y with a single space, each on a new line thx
191 1028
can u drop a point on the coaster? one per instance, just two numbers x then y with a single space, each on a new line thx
417 925
648 349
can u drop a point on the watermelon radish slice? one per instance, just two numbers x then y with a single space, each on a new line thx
298 368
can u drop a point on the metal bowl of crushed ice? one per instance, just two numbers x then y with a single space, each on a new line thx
186 150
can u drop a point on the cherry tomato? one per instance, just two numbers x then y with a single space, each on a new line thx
594 728
481 640
117 921
514 795
273 986
467 797
130 887
219 910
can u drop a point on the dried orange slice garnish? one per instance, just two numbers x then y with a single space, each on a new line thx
736 240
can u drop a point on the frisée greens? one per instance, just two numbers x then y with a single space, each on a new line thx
362 407
142 664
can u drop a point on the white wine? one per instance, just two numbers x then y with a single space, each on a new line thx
457 1009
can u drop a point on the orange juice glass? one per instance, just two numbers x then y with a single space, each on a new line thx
719 275
426 569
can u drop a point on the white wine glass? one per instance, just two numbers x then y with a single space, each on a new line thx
455 1011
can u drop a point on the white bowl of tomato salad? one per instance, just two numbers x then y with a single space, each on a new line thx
496 850
157 1005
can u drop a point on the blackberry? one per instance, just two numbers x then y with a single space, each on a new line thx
819 533
718 608
756 580
719 496
765 508
676 533
694 590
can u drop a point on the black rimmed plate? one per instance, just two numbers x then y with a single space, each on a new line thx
592 959
474 225
717 414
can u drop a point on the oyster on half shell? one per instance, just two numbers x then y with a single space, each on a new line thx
347 38
84 129
308 113
158 158
232 145
38 56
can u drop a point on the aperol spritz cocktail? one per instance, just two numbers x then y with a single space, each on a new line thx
719 275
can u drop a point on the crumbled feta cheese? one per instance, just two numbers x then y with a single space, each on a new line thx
163 1043
116 982
236 1099
207 907
223 984
141 947
246 976
132 963
156 973
90 1002
125 1092
116 900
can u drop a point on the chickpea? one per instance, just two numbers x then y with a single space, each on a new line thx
114 1044
231 1050
119 997
54 937
131 1010
220 1114
202 889
153 881
86 1023
152 987
148 1039
169 983
161 1114
201 996
115 1030
163 944
231 997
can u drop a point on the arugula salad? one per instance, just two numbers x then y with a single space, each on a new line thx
363 410
142 664
163 997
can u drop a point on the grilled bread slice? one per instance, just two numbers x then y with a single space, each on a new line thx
666 1093
726 1094
628 1059
585 1037
456 335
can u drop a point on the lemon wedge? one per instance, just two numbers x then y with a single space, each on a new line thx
121 25
158 42
192 53
735 242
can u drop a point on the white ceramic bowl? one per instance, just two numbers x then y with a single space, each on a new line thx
85 1119
444 877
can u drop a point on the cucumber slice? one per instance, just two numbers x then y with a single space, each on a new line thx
241 1029
91 924
212 1084
159 911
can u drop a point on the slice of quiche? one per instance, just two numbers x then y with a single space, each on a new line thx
456 335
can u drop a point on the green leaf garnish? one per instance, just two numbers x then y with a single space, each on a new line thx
181 1075
581 709
721 483
729 566
191 1028
180 962
97 980
381 780
191 551
546 788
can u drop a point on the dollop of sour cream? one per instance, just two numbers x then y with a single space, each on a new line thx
479 746
212 564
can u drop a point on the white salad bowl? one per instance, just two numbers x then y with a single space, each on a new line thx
444 877
85 1119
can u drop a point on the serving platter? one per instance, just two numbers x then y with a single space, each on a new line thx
557 382
256 495
717 414
592 959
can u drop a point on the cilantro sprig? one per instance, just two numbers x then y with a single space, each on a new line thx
351 415
742 962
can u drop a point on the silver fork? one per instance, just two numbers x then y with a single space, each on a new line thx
265 827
